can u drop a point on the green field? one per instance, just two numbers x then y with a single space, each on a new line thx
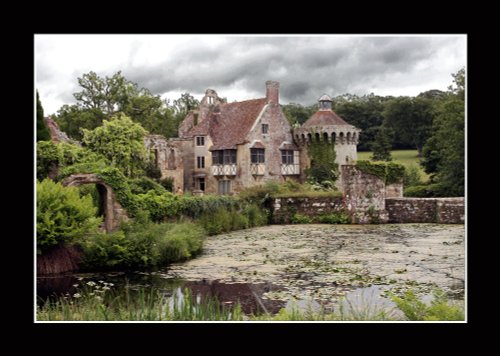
404 157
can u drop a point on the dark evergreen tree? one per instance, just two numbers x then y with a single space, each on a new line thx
381 147
42 133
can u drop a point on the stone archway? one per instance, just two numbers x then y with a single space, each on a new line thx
111 209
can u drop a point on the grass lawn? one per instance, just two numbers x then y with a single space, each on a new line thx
404 157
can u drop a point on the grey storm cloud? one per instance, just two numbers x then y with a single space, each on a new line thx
306 66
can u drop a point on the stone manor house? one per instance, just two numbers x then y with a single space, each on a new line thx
223 148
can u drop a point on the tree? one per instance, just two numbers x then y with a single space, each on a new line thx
185 103
363 112
73 118
381 147
100 98
121 141
62 215
444 152
298 114
42 133
411 119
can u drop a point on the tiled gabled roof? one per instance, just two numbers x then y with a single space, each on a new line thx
230 125
324 117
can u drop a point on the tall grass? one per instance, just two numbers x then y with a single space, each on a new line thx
98 302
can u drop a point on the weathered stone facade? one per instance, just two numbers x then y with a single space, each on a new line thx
285 208
426 210
237 145
168 156
56 135
364 194
112 211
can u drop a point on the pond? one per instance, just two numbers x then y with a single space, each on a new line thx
317 266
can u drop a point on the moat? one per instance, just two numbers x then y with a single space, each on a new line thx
265 268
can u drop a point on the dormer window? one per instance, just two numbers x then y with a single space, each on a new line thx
200 140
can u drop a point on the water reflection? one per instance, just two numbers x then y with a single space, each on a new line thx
248 295
368 304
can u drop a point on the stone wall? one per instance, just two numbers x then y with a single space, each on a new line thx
113 212
426 210
168 154
364 194
285 208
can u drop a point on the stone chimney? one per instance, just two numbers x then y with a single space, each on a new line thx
273 92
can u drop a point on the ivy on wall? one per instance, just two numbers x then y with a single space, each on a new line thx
389 172
323 167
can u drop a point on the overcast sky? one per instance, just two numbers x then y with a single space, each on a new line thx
237 67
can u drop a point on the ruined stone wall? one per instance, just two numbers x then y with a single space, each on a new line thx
394 190
426 210
114 213
168 154
285 208
365 195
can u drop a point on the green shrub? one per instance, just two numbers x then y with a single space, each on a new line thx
105 251
142 244
259 194
47 158
424 191
64 155
335 218
181 242
439 308
159 206
168 184
217 222
256 216
152 171
411 176
62 215
143 185
300 219
239 221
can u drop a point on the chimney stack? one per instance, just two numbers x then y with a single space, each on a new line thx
273 92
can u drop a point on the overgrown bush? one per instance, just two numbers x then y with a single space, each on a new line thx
300 219
142 244
181 242
51 156
256 216
168 184
62 215
143 185
411 176
389 172
424 191
334 218
438 309
216 222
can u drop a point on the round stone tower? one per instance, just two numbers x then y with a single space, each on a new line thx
326 125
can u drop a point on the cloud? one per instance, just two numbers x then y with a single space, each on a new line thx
306 66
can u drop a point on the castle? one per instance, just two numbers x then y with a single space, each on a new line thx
223 148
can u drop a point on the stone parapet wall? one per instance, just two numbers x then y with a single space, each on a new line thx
364 194
285 208
426 210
